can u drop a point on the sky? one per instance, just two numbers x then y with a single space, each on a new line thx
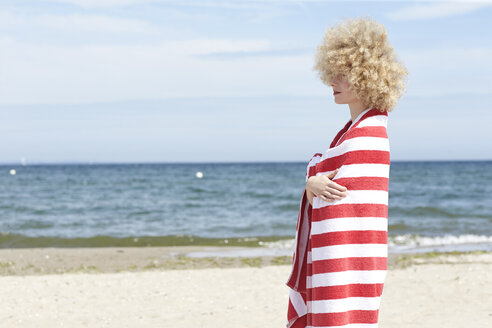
105 81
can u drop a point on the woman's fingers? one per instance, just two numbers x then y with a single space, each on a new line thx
325 198
333 196
336 186
336 192
330 191
339 187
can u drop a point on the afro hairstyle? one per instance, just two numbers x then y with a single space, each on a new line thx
358 49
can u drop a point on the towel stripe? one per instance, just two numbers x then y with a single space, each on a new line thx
349 319
349 250
345 304
344 291
362 170
348 263
348 224
353 157
349 237
347 278
349 210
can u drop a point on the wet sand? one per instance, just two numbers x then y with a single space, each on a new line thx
51 260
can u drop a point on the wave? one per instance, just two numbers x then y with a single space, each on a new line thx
434 212
396 243
417 240
410 241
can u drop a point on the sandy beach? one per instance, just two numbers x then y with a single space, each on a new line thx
162 287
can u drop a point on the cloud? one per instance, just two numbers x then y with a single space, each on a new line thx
153 68
75 22
46 73
449 58
205 46
449 71
252 10
237 4
436 10
57 74
104 3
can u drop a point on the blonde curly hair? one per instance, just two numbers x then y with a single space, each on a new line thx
358 50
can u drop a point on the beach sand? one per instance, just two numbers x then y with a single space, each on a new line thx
162 287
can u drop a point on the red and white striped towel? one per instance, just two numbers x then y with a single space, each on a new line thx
340 259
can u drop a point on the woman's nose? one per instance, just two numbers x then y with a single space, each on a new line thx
332 81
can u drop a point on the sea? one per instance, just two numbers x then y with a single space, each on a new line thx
433 205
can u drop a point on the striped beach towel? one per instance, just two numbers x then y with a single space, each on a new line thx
340 258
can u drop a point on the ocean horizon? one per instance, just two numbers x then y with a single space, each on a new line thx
89 162
434 205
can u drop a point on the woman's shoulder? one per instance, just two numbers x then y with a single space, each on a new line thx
374 126
377 118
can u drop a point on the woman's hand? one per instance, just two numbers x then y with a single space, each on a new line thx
324 188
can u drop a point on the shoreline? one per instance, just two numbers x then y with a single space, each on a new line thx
52 260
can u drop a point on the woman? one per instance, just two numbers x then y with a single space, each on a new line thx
340 259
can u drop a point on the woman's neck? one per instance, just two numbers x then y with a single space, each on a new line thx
356 108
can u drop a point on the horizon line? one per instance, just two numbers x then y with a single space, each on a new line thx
215 162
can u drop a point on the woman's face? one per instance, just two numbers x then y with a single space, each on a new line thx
342 90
